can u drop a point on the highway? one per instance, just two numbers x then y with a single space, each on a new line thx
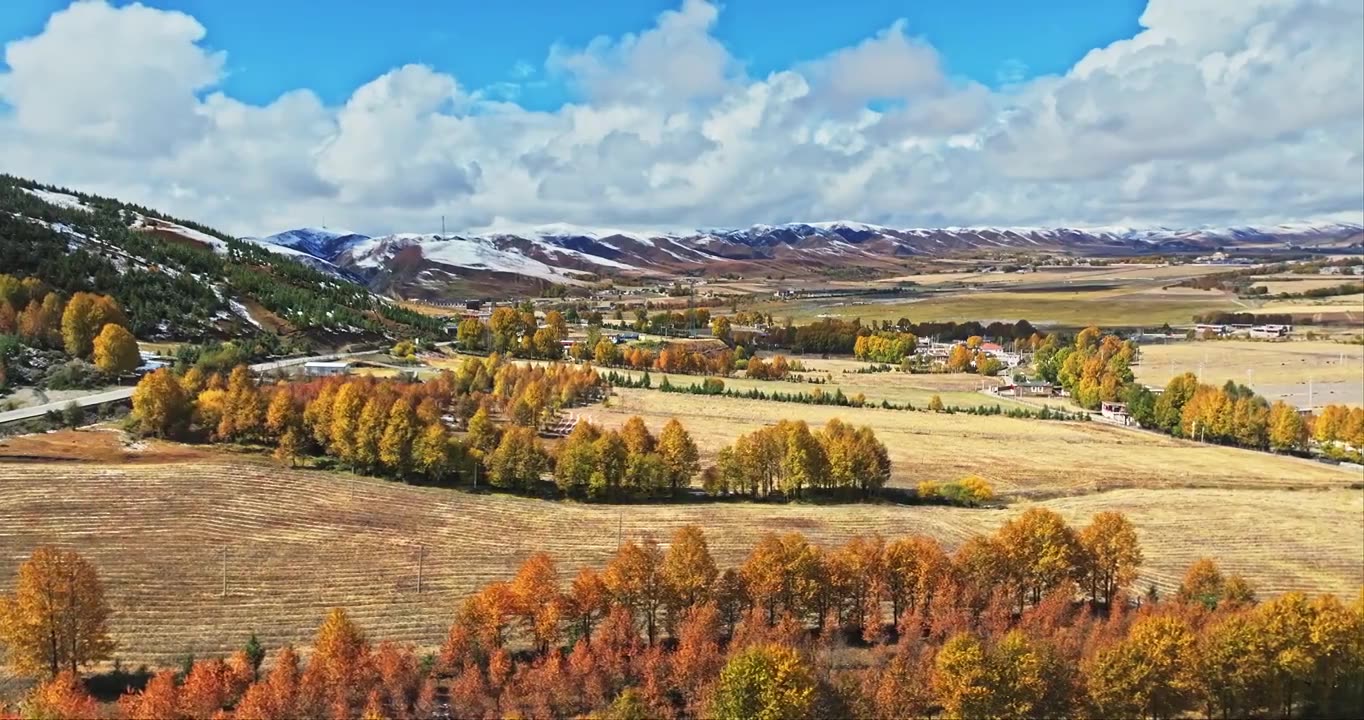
123 393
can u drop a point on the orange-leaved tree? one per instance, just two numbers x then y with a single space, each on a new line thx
57 617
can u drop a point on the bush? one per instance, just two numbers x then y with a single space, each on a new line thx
74 375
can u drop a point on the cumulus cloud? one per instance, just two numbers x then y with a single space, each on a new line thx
1215 113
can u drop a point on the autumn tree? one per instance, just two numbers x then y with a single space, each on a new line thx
768 682
1203 584
587 600
340 657
115 350
159 700
1112 555
400 434
635 580
57 617
281 413
536 593
483 434
679 453
431 452
160 405
1041 551
518 460
62 698
243 414
638 439
79 325
1287 430
1149 673
688 569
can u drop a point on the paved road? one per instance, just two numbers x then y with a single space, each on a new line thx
123 393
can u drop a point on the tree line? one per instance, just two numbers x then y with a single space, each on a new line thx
1033 621
839 337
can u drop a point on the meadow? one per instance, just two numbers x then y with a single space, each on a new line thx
293 543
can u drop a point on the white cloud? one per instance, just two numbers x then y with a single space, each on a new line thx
1216 112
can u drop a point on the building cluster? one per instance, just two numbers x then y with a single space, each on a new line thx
1263 332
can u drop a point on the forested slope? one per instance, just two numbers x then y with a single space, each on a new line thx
180 280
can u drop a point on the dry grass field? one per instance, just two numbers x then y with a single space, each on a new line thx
1276 284
1123 272
1123 306
297 542
960 389
1019 457
1254 361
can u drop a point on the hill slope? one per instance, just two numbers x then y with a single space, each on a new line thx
180 280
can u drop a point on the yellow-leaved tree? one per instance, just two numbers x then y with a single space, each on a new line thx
161 407
768 682
116 350
57 618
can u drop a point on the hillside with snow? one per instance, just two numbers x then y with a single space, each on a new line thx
573 255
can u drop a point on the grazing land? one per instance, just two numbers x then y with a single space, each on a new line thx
1278 370
297 542
1018 457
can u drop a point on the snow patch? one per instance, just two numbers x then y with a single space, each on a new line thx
70 202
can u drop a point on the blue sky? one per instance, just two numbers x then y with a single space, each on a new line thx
333 47
261 115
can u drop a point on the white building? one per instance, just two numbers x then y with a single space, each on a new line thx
320 368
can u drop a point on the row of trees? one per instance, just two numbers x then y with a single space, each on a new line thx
629 462
788 458
962 635
1234 415
885 347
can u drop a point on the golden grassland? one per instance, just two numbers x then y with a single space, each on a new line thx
1268 362
1019 457
1276 284
958 389
297 542
1122 306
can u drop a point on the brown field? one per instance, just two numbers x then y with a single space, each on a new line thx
1019 457
297 542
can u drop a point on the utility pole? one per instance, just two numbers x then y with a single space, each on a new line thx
421 566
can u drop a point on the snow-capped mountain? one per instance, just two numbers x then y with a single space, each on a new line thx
576 255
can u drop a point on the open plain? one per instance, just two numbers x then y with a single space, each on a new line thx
198 555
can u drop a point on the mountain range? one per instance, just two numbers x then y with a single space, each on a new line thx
570 255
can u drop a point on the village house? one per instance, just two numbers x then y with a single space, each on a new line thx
1115 412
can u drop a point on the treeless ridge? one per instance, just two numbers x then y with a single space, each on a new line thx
298 542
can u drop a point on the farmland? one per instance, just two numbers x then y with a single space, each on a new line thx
297 542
